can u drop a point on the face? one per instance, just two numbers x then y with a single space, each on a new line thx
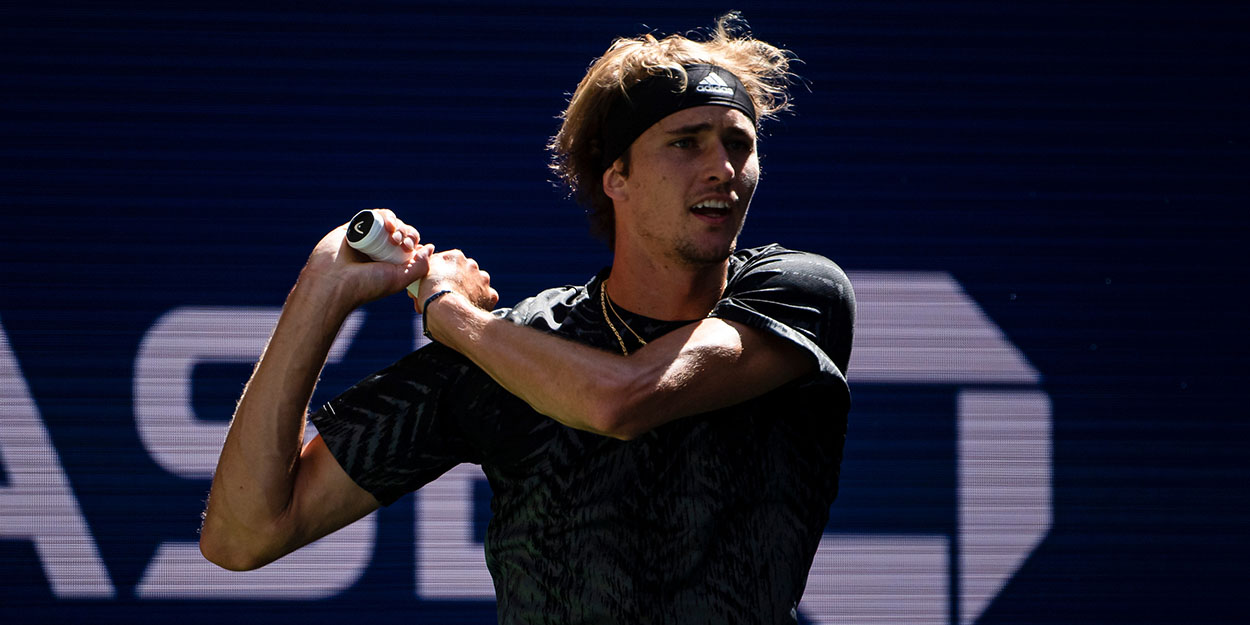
690 181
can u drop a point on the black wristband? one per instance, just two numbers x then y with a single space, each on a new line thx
425 327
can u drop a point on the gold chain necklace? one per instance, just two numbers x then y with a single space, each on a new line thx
604 304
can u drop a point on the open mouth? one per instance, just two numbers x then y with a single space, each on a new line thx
712 209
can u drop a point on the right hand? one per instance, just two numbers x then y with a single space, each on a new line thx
353 278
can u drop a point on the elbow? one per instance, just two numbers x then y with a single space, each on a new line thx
218 554
628 433
229 550
617 415
617 424
222 558
619 403
226 557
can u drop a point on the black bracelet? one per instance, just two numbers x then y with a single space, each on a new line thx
425 308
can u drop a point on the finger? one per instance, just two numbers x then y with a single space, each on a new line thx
389 220
419 263
424 256
394 224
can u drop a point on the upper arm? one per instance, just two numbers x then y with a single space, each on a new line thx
804 298
784 315
323 498
701 367
404 426
385 436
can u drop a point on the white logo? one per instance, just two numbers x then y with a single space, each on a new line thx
1003 474
713 83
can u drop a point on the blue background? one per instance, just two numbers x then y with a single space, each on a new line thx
1079 167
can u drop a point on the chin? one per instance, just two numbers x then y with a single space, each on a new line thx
708 254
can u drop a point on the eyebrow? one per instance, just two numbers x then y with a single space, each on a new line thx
694 129
690 130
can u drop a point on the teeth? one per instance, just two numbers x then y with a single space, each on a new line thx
721 204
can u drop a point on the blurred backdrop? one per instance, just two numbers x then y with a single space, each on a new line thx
1042 206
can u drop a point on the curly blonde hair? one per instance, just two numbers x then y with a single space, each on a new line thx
577 149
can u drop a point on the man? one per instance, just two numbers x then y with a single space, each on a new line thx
663 443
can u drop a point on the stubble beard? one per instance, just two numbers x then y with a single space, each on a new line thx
686 248
693 255
690 253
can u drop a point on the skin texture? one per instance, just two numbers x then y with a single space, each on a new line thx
269 497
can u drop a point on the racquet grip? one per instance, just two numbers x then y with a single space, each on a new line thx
366 233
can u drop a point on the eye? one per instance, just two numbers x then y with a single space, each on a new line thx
684 142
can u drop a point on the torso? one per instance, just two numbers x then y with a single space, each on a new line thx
713 517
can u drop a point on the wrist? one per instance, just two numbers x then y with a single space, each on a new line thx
451 319
425 308
323 292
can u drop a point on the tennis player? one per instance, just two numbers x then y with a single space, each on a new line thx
663 443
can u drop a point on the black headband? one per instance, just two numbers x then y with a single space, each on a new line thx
661 95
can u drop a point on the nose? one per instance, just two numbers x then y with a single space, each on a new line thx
719 167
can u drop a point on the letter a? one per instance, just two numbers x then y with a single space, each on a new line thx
38 504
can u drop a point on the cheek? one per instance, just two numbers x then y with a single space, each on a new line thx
751 173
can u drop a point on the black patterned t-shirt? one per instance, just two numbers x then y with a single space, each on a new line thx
711 518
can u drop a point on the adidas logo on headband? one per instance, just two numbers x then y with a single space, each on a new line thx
713 83
664 93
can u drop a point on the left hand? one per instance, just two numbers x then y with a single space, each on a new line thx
454 271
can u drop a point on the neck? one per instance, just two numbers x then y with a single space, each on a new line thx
665 290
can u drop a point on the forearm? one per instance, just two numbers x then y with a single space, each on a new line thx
600 391
254 482
567 381
697 368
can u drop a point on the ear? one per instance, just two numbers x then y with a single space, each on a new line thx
614 182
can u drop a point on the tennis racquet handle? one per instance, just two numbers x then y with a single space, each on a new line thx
366 233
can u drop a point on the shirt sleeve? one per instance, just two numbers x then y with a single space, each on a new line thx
404 426
801 297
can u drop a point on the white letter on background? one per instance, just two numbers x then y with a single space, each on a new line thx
188 447
38 504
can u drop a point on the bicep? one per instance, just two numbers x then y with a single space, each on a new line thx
727 362
325 498
709 365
